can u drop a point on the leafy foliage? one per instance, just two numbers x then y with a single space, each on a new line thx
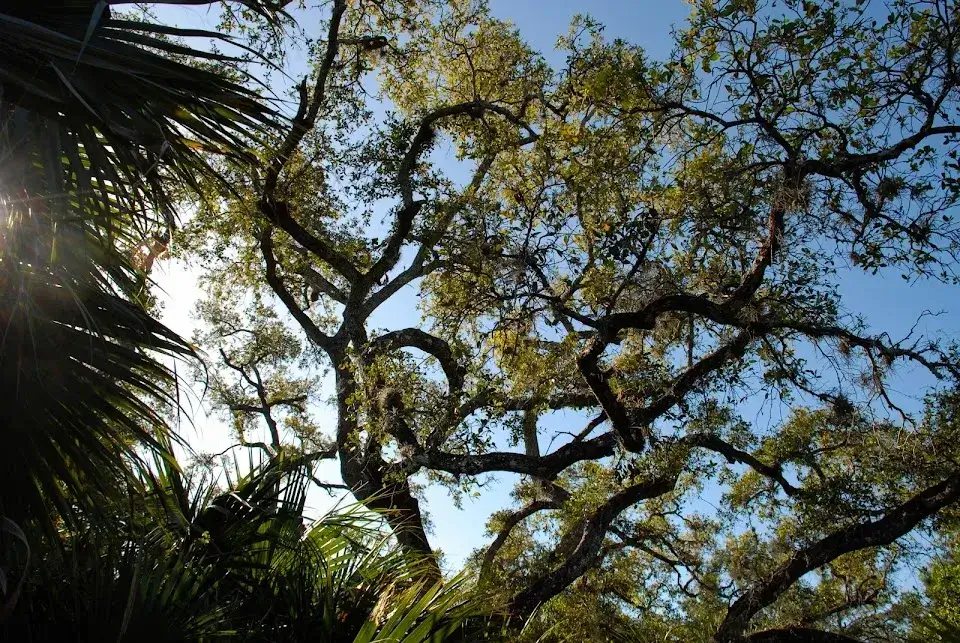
239 563
102 538
649 247
98 119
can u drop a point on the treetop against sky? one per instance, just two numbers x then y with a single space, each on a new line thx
649 23
674 292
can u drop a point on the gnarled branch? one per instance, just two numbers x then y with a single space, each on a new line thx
896 523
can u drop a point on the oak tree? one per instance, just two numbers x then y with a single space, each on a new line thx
648 245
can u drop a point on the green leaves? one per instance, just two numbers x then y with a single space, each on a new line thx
130 105
82 370
658 244
99 120
240 563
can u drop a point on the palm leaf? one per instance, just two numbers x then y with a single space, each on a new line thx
97 120
246 569
104 588
137 103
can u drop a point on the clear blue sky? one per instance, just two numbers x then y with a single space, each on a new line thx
887 303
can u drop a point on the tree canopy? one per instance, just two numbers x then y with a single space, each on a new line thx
653 244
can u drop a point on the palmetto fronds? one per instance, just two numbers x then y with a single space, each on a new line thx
243 565
98 119
131 107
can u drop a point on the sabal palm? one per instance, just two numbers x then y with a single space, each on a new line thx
97 121
240 564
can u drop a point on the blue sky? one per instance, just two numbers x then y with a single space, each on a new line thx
887 302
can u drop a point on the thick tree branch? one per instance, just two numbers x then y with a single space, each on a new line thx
509 524
584 543
321 284
409 207
430 344
317 336
798 635
851 163
438 348
751 281
309 106
546 466
277 211
896 523
589 364
733 454
380 486
726 312
633 430
419 266
632 425
691 377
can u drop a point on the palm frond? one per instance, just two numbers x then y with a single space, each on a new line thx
247 568
136 110
103 588
79 367
102 123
